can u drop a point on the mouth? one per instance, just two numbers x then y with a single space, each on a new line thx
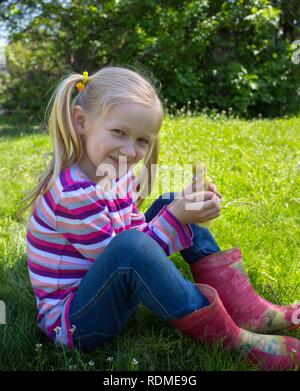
115 160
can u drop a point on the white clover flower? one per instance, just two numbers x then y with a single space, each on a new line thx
57 329
73 329
38 346
91 363
134 361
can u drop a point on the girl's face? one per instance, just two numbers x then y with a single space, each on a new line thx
123 135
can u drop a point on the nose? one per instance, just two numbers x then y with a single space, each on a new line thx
128 150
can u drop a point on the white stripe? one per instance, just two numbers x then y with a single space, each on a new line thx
95 246
34 252
56 237
163 237
54 281
172 231
40 227
49 210
88 220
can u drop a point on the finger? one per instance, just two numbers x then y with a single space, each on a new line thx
198 201
201 196
212 187
199 204
211 206
210 214
211 217
210 196
218 194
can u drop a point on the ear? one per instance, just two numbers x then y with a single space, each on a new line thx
79 119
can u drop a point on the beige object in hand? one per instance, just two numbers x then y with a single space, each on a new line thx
200 174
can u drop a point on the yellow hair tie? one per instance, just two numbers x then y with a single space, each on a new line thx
80 86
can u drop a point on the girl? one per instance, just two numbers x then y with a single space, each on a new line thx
94 257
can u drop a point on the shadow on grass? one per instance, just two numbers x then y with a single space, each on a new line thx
17 125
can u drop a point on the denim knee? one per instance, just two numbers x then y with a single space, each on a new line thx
134 245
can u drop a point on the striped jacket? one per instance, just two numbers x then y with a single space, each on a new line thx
70 227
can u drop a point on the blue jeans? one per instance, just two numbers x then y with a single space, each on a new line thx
134 269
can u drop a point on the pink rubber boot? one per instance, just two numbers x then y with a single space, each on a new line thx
225 272
213 323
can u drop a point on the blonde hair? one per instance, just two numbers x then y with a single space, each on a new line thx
108 87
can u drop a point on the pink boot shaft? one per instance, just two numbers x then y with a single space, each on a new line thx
213 323
226 273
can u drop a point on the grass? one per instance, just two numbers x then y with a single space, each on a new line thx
256 166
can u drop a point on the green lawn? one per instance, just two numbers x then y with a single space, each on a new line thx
255 163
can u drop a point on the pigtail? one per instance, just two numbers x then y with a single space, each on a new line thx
67 145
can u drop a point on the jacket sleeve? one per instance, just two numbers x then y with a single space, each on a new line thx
168 232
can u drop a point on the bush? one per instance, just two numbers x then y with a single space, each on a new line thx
232 55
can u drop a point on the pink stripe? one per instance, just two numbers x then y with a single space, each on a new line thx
43 209
48 258
39 259
112 203
79 194
176 227
127 215
42 294
79 226
39 267
41 283
82 209
46 243
53 316
52 233
107 229
183 235
121 229
93 254
159 224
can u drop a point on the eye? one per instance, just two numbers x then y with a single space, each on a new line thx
143 141
119 132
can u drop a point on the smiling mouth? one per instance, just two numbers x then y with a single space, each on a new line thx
115 160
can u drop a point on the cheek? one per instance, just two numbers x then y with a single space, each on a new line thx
95 150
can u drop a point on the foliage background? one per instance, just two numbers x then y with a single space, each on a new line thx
232 55
208 56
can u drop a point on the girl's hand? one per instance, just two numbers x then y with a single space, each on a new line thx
195 205
212 187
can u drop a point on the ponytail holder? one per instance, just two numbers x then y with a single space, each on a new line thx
80 86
